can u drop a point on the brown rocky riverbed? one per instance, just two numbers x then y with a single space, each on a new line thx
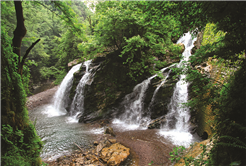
145 145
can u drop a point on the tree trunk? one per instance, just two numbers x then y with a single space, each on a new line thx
19 32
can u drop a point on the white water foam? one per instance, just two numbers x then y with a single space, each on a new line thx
124 126
73 119
177 137
51 111
97 131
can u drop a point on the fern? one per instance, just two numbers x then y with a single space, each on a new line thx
231 145
236 140
239 127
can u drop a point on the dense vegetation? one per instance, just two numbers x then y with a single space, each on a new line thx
142 33
23 61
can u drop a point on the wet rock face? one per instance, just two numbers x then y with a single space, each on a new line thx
197 43
159 105
110 131
112 83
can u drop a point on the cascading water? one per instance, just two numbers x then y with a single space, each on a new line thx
177 119
133 105
60 97
160 85
77 105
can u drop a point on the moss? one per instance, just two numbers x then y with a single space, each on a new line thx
20 143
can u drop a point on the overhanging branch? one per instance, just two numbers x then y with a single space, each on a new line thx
26 54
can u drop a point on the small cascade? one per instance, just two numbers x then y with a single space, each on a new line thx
77 105
160 85
133 104
60 97
177 119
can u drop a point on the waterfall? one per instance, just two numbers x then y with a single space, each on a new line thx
177 126
77 105
60 97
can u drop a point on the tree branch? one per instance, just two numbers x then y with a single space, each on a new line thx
78 147
25 56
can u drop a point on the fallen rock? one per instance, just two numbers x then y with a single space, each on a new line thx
113 141
95 143
107 152
156 123
109 130
182 47
115 154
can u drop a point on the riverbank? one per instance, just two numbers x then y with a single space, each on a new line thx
41 98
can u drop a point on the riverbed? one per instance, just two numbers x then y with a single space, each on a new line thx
59 132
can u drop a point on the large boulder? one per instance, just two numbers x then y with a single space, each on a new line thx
111 83
115 154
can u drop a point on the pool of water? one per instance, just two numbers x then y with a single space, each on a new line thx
59 132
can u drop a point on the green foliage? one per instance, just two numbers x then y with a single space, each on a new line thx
151 163
17 148
20 144
229 17
138 30
226 93
177 153
57 24
67 49
49 72
59 77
